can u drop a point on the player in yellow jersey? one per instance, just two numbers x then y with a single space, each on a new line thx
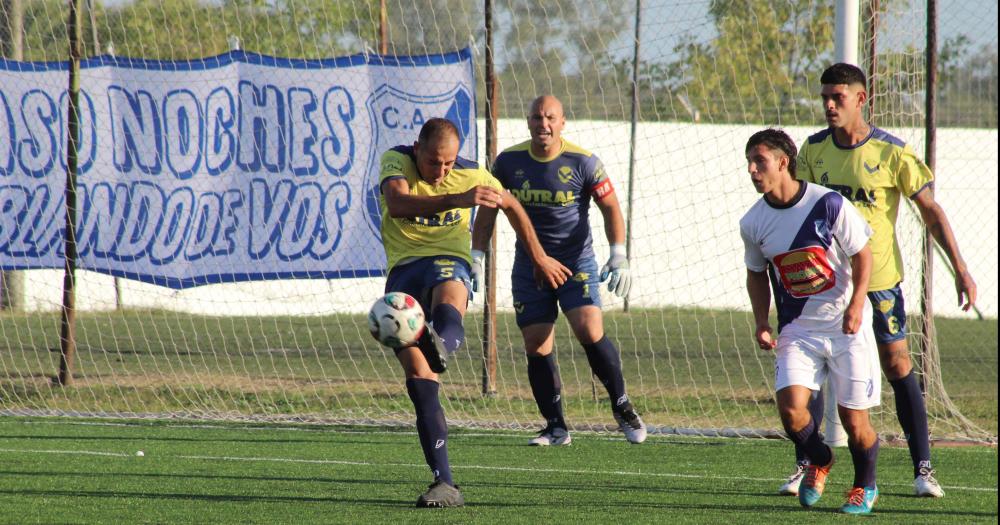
427 192
875 170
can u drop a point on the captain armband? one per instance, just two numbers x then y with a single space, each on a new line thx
603 189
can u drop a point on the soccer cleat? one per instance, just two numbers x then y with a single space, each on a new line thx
813 484
554 436
440 494
631 424
926 486
860 500
791 486
433 349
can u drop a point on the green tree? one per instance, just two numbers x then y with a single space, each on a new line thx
761 65
45 37
540 47
434 26
560 48
967 84
188 29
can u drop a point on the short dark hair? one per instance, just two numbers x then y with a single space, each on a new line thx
437 128
775 139
842 73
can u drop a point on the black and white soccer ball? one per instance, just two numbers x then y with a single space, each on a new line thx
396 320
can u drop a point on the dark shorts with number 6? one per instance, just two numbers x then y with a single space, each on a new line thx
889 319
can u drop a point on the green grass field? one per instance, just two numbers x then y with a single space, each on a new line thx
86 471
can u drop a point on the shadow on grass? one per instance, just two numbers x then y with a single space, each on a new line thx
211 477
769 502
236 498
521 503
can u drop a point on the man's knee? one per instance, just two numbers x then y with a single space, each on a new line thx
538 339
857 426
794 418
895 359
536 350
415 364
856 423
587 324
793 407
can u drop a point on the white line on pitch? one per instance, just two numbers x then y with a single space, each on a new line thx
455 467
68 452
459 434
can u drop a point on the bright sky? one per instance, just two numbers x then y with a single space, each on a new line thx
665 21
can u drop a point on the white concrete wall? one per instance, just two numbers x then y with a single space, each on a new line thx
691 188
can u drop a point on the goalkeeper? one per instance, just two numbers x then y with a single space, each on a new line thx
555 181
426 193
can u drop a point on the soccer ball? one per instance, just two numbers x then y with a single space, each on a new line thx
396 320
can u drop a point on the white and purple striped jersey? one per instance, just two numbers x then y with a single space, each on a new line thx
806 247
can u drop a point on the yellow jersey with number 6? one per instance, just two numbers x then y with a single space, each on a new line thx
872 174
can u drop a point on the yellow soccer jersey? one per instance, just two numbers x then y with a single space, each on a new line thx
445 233
872 174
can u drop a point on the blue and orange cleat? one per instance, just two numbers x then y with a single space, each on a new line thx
860 500
812 486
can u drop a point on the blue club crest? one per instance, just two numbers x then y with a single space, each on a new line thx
396 117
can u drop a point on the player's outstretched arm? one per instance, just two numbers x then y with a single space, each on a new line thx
759 290
861 272
616 270
550 271
482 232
482 228
937 223
402 204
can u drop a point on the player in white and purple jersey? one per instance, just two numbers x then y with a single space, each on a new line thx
812 245
555 181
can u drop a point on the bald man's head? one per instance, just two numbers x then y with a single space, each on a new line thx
545 123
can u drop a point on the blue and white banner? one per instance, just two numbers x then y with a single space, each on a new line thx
232 168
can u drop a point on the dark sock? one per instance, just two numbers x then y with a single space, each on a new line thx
912 414
815 407
607 366
431 426
543 374
448 325
818 453
865 460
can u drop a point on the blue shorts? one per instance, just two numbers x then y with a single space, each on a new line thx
889 319
534 306
418 278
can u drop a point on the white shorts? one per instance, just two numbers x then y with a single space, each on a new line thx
806 359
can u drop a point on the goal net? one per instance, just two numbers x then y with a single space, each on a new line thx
228 225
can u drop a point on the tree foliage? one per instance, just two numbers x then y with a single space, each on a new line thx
967 85
562 47
762 64
187 29
750 61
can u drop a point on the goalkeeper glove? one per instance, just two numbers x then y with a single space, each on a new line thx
478 263
615 271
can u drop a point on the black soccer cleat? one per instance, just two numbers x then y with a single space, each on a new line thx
433 349
631 425
439 495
